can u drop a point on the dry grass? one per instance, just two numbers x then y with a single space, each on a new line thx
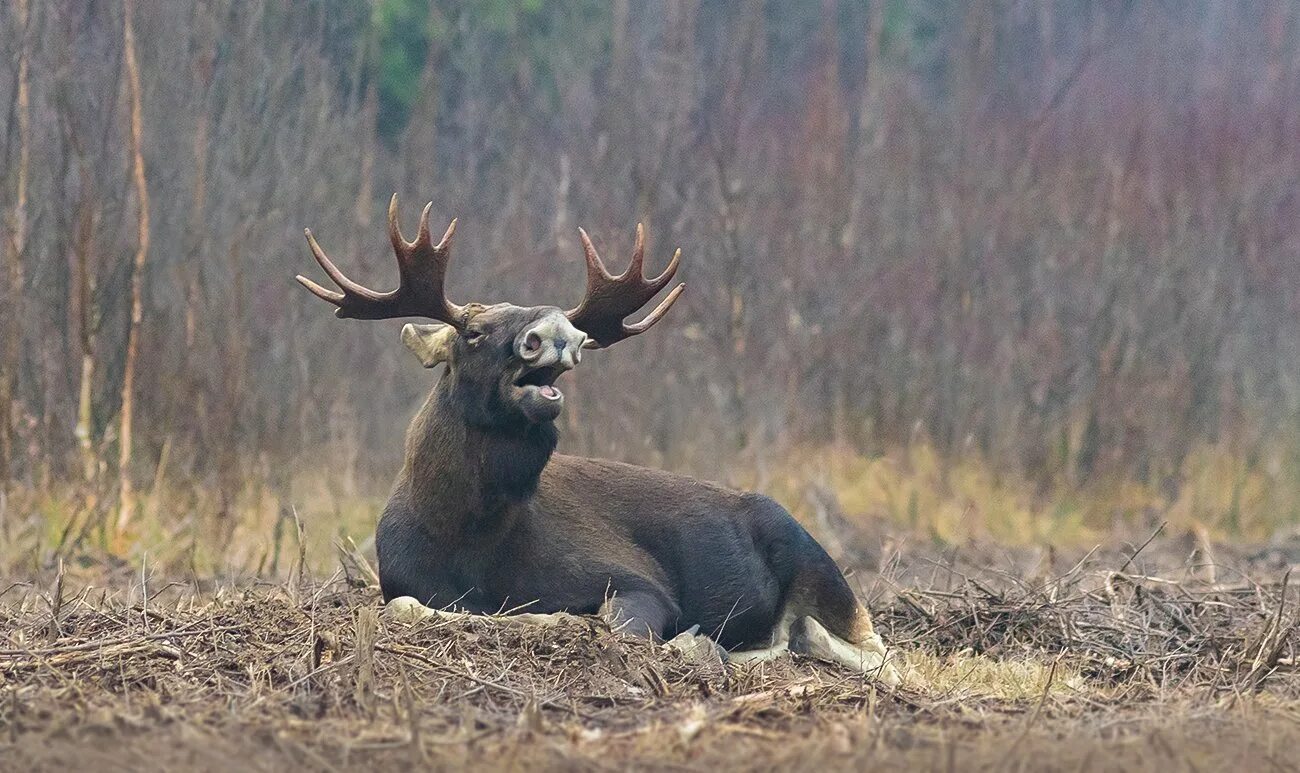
200 637
1220 494
1099 664
208 528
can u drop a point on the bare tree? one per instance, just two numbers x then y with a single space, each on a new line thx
126 495
16 246
960 224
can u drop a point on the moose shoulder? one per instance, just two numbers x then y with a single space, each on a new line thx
486 517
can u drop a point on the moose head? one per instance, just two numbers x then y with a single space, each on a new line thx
502 360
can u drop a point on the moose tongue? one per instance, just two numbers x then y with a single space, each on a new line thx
550 392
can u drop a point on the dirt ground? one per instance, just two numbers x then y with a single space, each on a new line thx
1182 657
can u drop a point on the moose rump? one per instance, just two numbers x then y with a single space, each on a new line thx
704 555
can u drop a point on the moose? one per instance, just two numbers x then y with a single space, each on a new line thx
486 517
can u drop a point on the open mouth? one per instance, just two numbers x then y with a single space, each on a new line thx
543 380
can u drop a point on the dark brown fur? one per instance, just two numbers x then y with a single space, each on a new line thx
485 517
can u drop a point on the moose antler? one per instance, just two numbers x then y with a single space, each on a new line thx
421 268
610 299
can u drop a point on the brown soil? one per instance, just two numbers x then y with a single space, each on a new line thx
1157 662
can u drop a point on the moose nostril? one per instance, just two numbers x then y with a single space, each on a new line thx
532 344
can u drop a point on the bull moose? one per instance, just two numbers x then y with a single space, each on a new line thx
485 516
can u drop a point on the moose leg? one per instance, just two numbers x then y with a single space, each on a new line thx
866 655
648 614
638 612
780 644
409 610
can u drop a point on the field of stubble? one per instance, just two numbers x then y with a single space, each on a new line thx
1132 656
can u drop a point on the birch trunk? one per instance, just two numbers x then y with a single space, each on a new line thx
87 323
126 495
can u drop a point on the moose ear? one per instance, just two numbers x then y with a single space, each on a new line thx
431 343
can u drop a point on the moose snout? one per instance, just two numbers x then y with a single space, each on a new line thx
553 340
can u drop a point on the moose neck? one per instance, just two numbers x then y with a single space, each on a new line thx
468 479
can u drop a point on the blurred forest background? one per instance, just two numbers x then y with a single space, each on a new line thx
1024 270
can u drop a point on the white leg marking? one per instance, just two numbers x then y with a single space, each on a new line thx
870 658
759 656
408 610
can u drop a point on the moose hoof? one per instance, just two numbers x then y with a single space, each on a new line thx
697 649
870 657
407 610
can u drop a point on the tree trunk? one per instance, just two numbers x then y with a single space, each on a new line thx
125 494
87 323
366 189
195 233
17 244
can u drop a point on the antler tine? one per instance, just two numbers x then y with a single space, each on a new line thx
394 230
636 268
610 299
444 244
422 269
423 237
667 303
339 278
596 270
328 296
661 281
